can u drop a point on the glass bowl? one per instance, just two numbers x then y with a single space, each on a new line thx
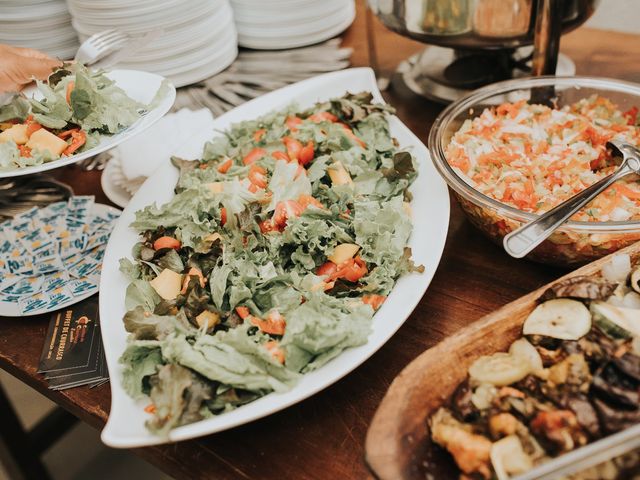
576 242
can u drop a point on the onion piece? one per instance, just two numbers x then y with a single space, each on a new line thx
618 268
508 457
631 300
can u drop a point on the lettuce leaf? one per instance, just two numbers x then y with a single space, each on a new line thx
140 360
322 327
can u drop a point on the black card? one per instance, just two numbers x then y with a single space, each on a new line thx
72 339
80 376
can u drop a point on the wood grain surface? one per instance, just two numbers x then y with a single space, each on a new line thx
323 437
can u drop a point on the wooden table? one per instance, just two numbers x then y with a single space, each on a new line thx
323 437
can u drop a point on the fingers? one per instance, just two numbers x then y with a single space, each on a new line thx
39 68
19 66
30 53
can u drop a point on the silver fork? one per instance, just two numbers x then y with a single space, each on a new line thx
521 241
100 45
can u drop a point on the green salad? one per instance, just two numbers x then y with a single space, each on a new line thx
269 261
77 106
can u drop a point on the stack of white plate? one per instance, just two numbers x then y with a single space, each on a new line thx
197 41
279 24
41 24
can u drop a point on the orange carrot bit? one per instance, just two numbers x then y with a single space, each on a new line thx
151 408
225 166
166 242
258 134
243 312
253 156
323 116
70 86
223 216
67 133
623 189
274 349
78 139
24 151
279 155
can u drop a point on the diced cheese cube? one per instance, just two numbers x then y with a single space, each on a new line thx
211 319
17 133
343 252
339 175
44 140
167 284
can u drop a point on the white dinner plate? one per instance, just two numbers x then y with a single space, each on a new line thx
11 309
141 86
109 183
125 427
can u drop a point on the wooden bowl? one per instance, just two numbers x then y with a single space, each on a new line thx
398 445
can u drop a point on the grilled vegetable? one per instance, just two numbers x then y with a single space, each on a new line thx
581 287
521 348
509 458
499 369
560 318
617 322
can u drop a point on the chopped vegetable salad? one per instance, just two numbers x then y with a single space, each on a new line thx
77 105
269 261
533 157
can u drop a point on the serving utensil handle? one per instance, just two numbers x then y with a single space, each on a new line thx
521 241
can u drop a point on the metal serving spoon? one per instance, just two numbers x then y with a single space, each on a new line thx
521 241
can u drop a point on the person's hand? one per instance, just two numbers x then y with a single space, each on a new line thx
19 66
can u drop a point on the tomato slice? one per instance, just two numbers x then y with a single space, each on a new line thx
306 153
286 210
258 176
327 268
266 226
292 123
351 270
354 270
274 324
293 147
374 300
